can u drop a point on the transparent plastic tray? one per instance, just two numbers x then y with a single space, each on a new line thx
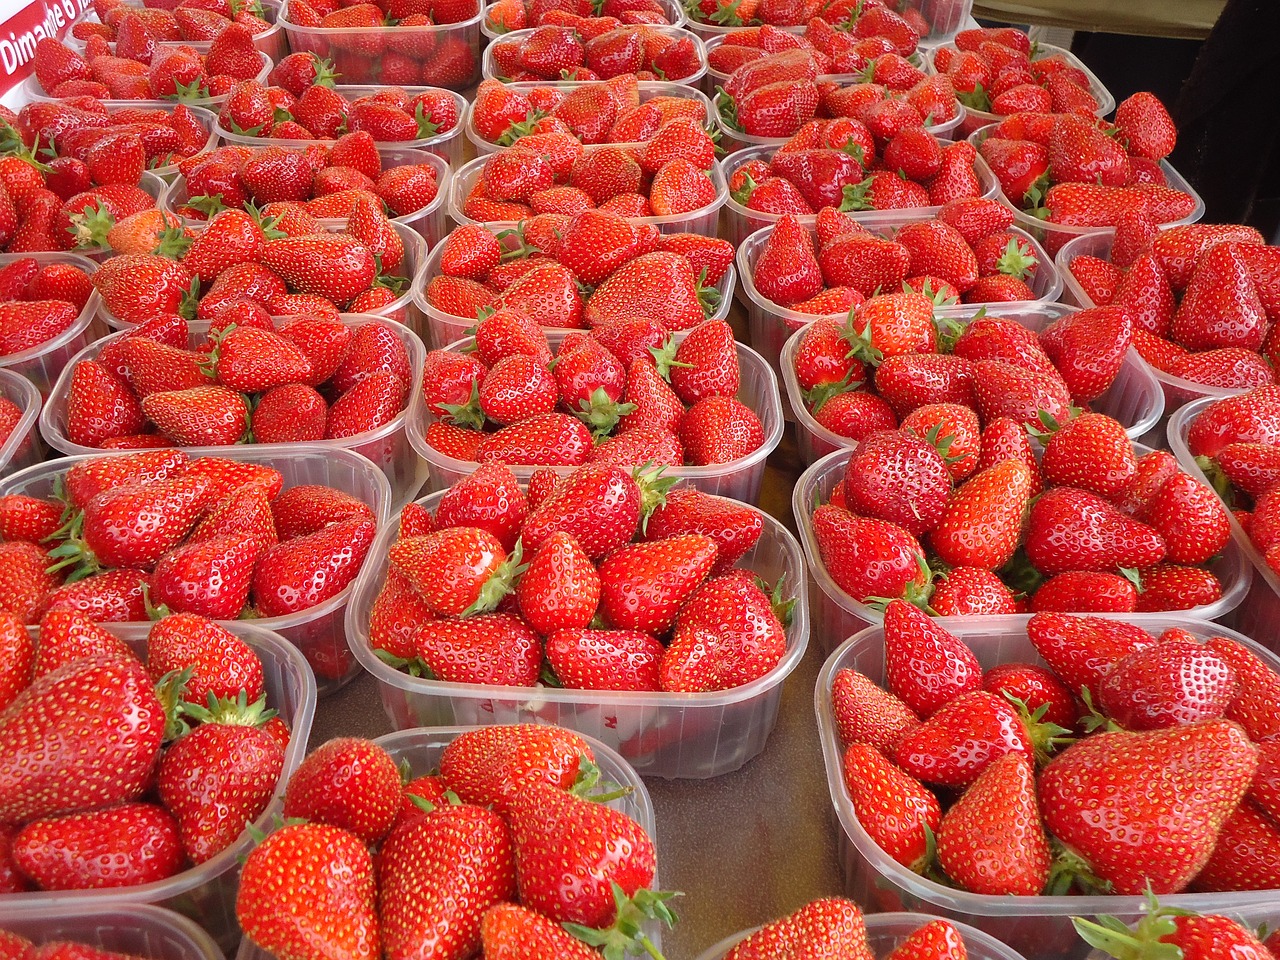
673 10
447 145
490 69
1038 926
1177 390
205 894
648 90
42 364
23 446
673 735
739 479
740 222
1133 399
886 930
208 119
139 929
731 140
977 119
429 223
151 183
1055 235
387 448
357 63
271 42
442 329
317 632
770 324
31 90
420 748
715 78
704 220
1258 613
836 615
402 310
945 18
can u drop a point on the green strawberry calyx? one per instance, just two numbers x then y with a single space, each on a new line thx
500 583
601 412
626 936
654 488
1141 942
589 785
728 109
520 128
90 227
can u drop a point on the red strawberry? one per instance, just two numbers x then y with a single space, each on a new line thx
1071 529
310 884
118 846
925 666
348 783
643 585
893 807
972 592
869 558
1174 683
306 571
983 520
220 663
1190 517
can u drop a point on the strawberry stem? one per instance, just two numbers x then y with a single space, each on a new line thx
1142 942
500 583
626 934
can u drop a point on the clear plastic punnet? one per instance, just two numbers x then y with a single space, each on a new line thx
139 929
1037 926
419 749
358 51
23 446
703 220
447 145
43 363
1053 236
403 309
1177 390
205 894
429 222
1258 613
771 324
739 479
672 735
271 41
649 89
673 10
945 18
491 72
1133 398
836 615
31 90
885 931
443 329
387 447
740 222
318 632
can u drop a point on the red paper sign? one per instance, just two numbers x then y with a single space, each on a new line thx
22 31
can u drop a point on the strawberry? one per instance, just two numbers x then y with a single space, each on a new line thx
1087 591
1143 121
220 664
925 666
490 765
588 659
893 807
601 507
1082 650
17 658
1190 518
100 406
66 637
1036 687
28 518
985 723
350 264
510 932
734 528
869 558
571 853
720 429
643 584
1253 708
251 360
210 578
310 884
898 477
831 927
488 648
125 845
1071 529
1171 816
1176 682
982 522
550 439
348 783
787 271
437 877
866 713
309 570
211 415
1220 307
115 596
992 840
1194 937
133 525
1168 586
456 571
970 592
218 777
1091 452
106 702
371 404
1088 349
25 581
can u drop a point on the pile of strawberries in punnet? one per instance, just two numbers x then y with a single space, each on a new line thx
586 270
1106 769
120 768
513 847
593 48
156 531
325 180
625 394
619 583
407 337
606 112
1204 297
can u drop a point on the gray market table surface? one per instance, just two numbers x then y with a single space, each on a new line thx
744 848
